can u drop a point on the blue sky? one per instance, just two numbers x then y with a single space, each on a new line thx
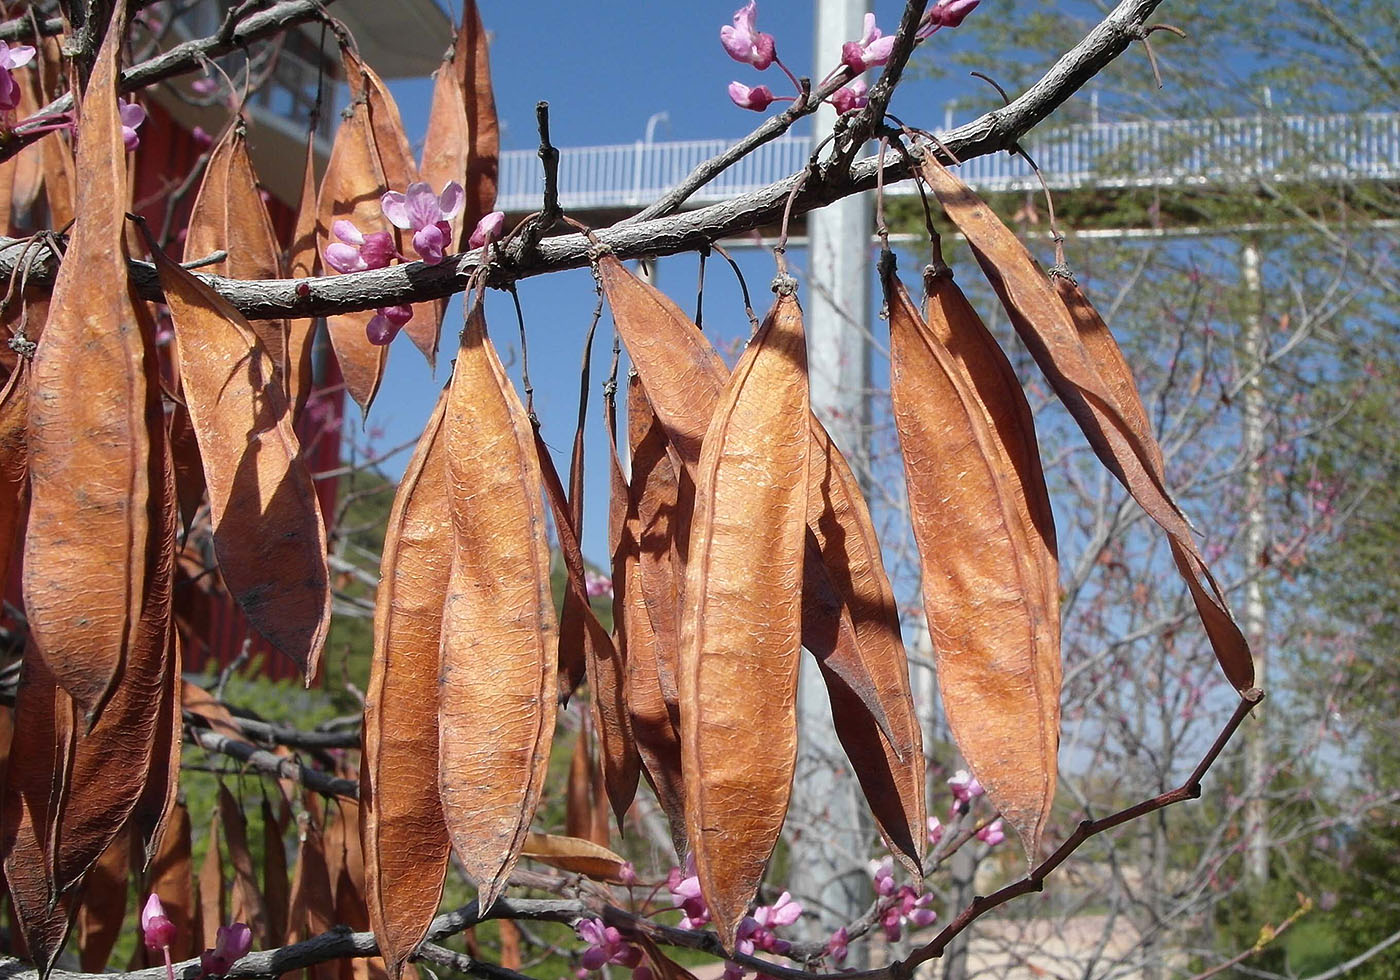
606 69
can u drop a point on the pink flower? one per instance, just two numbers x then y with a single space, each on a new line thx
854 96
783 912
427 214
627 874
837 945
231 945
386 323
488 229
597 585
872 50
965 786
157 930
10 59
132 116
605 945
935 831
991 834
744 41
357 251
685 892
758 98
204 86
201 138
945 13
912 907
883 873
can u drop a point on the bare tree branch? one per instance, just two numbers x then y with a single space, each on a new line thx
416 281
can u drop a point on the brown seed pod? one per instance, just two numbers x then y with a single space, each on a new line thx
499 667
404 833
740 633
994 622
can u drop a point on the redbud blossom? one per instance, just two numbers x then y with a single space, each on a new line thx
854 96
10 59
230 946
386 323
488 229
685 892
357 251
427 214
965 786
605 945
157 931
872 50
935 831
758 98
837 945
945 13
744 41
597 585
132 116
991 834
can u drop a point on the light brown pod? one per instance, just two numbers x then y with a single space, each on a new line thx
303 260
402 828
248 904
741 620
1228 641
650 634
268 532
1089 380
446 148
472 66
94 409
158 803
985 570
603 663
103 908
499 669
210 886
351 189
575 855
683 377
849 622
39 754
229 214
14 464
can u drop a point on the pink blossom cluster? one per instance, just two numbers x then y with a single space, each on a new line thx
756 933
158 933
428 216
899 905
605 946
597 584
744 42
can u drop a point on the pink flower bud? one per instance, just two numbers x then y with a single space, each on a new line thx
488 229
854 96
758 98
745 42
157 931
387 322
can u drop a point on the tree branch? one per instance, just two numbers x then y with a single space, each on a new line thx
186 57
273 765
416 282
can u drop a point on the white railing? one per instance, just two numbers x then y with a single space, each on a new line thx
1159 153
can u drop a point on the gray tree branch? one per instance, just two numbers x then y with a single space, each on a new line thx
415 281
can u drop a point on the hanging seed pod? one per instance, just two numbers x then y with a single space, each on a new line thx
268 532
499 668
985 567
742 616
406 846
94 411
1089 380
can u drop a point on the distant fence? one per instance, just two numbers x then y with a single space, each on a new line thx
1156 153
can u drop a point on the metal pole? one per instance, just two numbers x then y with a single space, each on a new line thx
1256 811
831 836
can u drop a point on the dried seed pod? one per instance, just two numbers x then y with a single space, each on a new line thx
406 846
740 633
849 620
499 668
994 623
1090 380
268 532
229 214
604 664
303 260
94 411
